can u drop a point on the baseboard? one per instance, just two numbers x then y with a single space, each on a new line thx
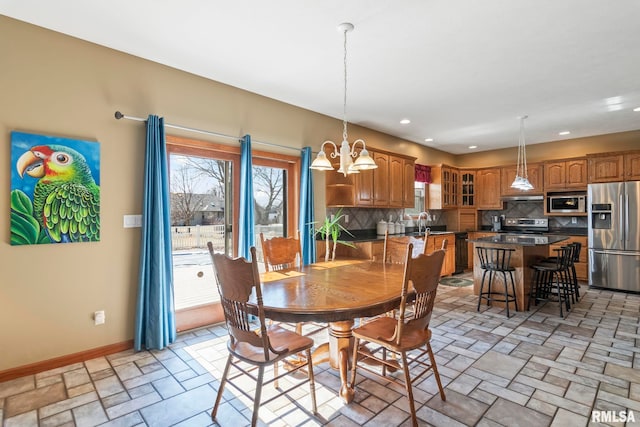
69 359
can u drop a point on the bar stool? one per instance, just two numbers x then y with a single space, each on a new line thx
496 261
550 274
571 278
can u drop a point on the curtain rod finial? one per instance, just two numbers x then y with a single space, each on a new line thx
118 115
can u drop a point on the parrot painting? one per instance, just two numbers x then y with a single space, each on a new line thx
66 199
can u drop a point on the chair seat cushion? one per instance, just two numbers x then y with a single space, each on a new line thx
281 340
381 331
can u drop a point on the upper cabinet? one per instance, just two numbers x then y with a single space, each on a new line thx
408 186
534 174
381 180
444 187
467 188
613 167
606 167
569 174
488 189
390 185
632 166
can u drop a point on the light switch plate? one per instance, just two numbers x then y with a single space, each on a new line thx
132 221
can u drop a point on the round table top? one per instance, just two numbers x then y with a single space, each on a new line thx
332 291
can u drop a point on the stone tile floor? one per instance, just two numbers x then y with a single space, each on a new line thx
534 369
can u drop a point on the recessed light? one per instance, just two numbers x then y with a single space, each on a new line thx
405 121
564 132
636 109
472 147
428 140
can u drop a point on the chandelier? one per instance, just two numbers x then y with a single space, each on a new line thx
521 182
347 153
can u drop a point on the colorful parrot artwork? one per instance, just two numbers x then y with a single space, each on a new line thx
65 206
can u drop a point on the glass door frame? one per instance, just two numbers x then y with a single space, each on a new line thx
198 316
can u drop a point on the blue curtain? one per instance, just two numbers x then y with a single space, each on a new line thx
246 226
155 318
306 220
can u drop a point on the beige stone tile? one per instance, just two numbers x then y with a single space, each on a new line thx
17 386
97 364
43 382
33 399
28 419
459 407
81 389
91 414
108 386
499 364
622 372
65 405
59 371
76 377
510 414
581 393
57 420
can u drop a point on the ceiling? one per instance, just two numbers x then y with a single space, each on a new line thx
462 71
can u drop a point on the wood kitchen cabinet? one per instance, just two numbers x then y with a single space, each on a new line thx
396 182
390 185
381 180
435 242
606 167
444 187
534 174
408 186
569 174
632 166
467 188
488 189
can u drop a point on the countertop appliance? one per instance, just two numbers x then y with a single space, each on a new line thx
614 235
525 225
567 203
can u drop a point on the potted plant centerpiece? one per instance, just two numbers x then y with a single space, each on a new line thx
331 229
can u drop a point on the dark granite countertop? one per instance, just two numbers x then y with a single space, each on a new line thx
521 239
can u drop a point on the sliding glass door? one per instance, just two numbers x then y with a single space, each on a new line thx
204 181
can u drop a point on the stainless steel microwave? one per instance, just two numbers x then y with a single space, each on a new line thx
567 203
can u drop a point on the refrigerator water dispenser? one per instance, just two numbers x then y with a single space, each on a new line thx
601 216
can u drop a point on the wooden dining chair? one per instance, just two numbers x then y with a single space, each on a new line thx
400 335
253 346
285 253
281 253
395 247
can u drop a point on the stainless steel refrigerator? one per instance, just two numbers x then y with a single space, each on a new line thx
614 235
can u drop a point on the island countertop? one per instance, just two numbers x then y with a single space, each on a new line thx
520 239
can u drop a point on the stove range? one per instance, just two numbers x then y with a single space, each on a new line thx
525 225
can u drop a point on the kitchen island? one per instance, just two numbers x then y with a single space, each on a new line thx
528 250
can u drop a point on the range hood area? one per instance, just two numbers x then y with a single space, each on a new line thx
523 198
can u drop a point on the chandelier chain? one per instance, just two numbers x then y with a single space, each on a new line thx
344 102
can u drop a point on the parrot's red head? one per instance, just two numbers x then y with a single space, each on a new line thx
50 162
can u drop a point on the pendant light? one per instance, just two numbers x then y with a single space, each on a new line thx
521 182
347 152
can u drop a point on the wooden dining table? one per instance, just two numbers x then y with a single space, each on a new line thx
336 292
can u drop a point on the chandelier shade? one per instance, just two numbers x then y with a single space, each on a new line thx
346 153
521 182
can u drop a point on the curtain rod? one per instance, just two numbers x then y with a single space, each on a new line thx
118 115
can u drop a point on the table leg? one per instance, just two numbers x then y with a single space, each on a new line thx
340 350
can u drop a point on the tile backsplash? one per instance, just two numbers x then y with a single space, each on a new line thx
533 209
366 219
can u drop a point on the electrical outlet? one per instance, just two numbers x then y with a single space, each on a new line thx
346 219
574 220
333 217
98 318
